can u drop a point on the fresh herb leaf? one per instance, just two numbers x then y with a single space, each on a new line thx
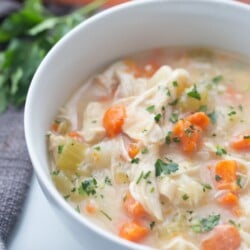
206 186
206 224
106 215
88 187
147 175
185 197
166 168
158 117
145 150
168 138
108 181
176 139
174 118
173 103
135 160
194 93
60 149
152 225
97 148
220 151
151 108
175 83
140 178
239 181
231 113
217 79
213 117
218 178
203 108
78 209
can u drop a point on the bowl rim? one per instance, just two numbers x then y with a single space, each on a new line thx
43 179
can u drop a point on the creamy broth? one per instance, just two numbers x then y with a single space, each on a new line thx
155 149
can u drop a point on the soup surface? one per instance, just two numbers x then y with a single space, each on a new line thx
156 149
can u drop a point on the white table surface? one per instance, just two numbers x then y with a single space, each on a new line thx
39 228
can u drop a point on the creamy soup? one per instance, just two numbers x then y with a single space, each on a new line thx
155 149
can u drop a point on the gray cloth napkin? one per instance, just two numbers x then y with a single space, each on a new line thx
15 171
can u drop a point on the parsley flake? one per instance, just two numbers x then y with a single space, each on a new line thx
151 108
135 160
166 168
194 93
158 117
206 224
220 151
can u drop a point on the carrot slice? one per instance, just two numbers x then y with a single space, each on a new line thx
111 3
90 208
199 119
241 142
133 207
228 199
75 135
188 134
133 150
133 231
223 237
113 120
225 172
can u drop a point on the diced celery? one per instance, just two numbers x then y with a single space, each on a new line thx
62 183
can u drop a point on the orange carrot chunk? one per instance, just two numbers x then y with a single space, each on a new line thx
133 207
113 120
225 173
90 208
241 142
228 199
188 134
199 119
133 231
133 150
223 237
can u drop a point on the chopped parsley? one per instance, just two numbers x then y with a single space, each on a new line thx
135 160
158 118
66 196
56 172
189 131
60 149
218 178
147 175
176 139
175 83
217 79
185 197
94 121
108 181
145 150
168 92
203 108
234 223
231 113
140 178
246 137
151 108
239 181
97 148
106 215
173 118
213 117
166 168
206 224
173 103
152 225
88 187
168 138
206 186
193 93
220 151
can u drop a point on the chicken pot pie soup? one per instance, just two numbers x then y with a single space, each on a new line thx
156 149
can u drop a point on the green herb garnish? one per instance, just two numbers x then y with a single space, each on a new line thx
135 160
217 79
173 118
206 224
168 138
157 117
185 197
88 187
145 150
28 34
213 117
106 215
151 108
194 93
220 151
166 168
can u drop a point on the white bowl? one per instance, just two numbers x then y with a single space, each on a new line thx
100 40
